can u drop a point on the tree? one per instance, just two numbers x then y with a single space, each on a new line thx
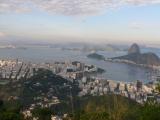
10 116
158 87
1 103
95 116
150 112
10 110
42 113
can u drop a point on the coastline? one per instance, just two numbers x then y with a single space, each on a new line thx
133 63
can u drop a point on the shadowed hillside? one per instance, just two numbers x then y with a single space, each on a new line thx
134 55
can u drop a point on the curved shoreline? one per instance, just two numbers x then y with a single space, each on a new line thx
133 63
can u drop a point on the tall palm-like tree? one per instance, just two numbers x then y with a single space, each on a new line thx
158 87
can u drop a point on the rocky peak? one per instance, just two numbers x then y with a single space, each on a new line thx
134 49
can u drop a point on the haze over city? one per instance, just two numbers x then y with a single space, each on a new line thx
80 20
79 59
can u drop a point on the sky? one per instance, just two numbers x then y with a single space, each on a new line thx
99 21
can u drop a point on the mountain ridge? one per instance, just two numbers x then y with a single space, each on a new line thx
135 55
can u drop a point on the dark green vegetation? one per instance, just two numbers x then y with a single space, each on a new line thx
10 110
108 107
113 107
96 56
100 70
42 113
150 112
44 84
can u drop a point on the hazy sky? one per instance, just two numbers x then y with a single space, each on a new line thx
81 20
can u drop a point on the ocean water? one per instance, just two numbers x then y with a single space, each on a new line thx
114 71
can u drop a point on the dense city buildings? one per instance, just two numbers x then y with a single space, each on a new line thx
86 76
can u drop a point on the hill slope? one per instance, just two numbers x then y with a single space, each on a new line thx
140 58
96 56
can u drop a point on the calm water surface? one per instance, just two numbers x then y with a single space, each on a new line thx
114 71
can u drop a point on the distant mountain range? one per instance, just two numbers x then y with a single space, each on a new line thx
135 55
100 47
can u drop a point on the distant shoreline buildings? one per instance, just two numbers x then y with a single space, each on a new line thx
12 71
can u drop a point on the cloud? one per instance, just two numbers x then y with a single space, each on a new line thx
2 34
18 6
136 25
142 2
69 7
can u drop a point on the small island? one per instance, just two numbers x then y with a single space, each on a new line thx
96 56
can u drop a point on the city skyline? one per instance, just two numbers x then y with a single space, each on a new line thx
80 20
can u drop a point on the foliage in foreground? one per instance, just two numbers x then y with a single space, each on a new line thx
113 107
10 111
108 107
